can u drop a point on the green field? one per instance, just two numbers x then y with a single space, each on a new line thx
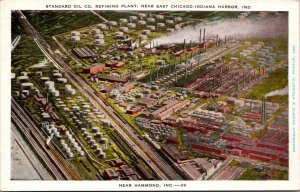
27 53
60 21
275 81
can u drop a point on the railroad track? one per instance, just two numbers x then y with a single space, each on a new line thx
153 159
53 160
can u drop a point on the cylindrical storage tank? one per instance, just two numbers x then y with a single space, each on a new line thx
160 25
26 86
95 129
44 79
68 87
133 18
39 73
99 36
142 15
75 38
98 150
55 93
141 22
99 42
169 22
142 37
146 32
62 80
113 23
159 17
151 27
150 20
131 25
170 30
81 153
49 84
104 140
99 135
123 21
95 146
119 33
71 155
23 73
101 26
177 19
96 31
124 29
22 79
57 75
75 33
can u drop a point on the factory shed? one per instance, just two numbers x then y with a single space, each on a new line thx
84 53
174 153
94 69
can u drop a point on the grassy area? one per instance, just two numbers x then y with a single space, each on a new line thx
16 28
60 21
275 81
251 174
25 54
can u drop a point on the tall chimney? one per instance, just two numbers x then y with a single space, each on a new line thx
184 45
200 37
203 35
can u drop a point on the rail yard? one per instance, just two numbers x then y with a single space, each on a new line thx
152 96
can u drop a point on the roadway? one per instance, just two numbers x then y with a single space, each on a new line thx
56 164
154 160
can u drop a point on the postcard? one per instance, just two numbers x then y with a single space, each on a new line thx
144 96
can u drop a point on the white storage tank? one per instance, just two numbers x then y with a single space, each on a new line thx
101 26
160 25
23 73
170 30
62 80
99 42
142 15
124 29
26 85
113 23
22 79
177 19
57 75
151 27
49 84
44 79
75 38
123 21
141 22
75 33
99 36
150 20
146 32
142 37
169 22
131 25
133 18
96 31
159 17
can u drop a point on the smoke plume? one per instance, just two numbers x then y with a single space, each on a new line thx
283 91
268 27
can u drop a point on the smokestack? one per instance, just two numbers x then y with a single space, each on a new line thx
203 35
184 45
200 37
263 111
